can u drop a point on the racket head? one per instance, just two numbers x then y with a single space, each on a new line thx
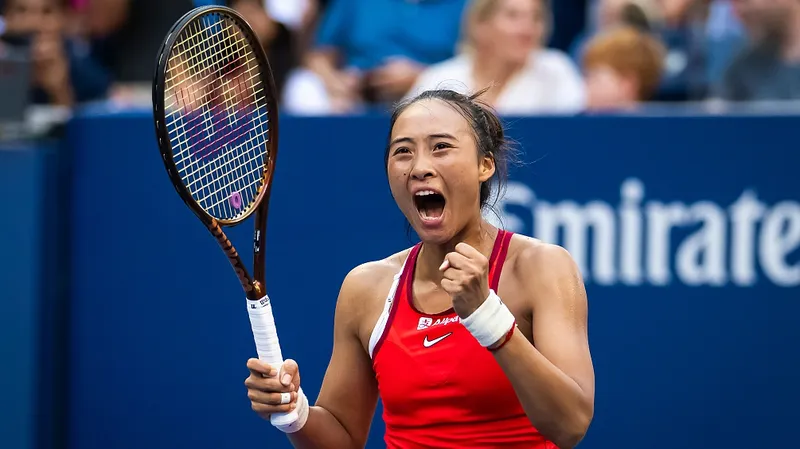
216 115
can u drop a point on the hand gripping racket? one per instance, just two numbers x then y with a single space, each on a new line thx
216 121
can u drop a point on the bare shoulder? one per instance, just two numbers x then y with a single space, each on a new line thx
543 265
365 287
363 278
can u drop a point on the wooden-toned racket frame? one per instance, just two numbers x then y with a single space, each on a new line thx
255 285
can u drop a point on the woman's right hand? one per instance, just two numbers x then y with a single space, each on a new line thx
343 90
265 386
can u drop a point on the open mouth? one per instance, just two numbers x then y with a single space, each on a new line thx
430 204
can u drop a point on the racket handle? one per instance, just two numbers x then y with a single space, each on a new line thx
268 347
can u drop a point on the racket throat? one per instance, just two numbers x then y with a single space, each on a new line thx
253 290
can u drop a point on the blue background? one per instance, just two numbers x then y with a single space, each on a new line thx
157 338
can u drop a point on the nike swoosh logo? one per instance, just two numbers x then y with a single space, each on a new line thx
428 343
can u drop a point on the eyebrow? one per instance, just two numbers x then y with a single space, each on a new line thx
430 137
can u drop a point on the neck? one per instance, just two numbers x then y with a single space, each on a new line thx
489 70
481 236
628 105
623 105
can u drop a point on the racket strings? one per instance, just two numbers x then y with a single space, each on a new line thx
208 57
219 117
194 88
204 88
180 96
200 177
253 171
195 124
236 168
181 99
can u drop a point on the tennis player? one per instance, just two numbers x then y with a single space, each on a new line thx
426 329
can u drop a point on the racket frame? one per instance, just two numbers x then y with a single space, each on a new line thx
255 285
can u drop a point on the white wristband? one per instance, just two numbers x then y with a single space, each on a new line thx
490 322
302 415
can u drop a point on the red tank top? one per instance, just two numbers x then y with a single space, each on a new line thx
439 387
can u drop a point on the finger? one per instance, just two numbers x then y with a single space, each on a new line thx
450 286
349 80
468 251
457 261
256 366
451 274
263 409
267 384
289 371
445 265
265 398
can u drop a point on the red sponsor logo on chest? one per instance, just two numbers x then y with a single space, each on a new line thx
427 322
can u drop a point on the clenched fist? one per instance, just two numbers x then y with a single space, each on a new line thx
466 278
271 391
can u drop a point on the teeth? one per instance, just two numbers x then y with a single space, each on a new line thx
425 193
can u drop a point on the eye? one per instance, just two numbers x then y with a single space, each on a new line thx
441 146
401 150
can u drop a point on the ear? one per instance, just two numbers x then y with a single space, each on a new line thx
486 169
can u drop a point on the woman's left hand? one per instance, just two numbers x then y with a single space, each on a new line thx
466 278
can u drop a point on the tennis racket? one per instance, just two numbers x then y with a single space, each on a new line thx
216 121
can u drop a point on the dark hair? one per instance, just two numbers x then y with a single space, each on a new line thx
634 16
486 127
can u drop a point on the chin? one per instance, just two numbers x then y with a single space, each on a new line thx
434 237
432 233
519 56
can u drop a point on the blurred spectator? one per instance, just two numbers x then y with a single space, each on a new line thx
725 38
682 31
503 48
290 13
102 18
769 69
126 35
623 68
368 52
678 24
609 14
276 37
677 12
64 73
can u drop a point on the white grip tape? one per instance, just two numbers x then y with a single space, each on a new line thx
269 350
489 322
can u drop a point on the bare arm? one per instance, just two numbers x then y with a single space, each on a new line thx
343 413
342 86
346 404
555 379
323 62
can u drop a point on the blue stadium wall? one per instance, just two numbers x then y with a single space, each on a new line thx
686 228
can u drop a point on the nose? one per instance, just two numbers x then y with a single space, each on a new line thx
423 168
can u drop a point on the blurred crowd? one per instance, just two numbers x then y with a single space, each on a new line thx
351 56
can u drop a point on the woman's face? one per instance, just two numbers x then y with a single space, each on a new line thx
607 89
33 16
514 29
435 173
